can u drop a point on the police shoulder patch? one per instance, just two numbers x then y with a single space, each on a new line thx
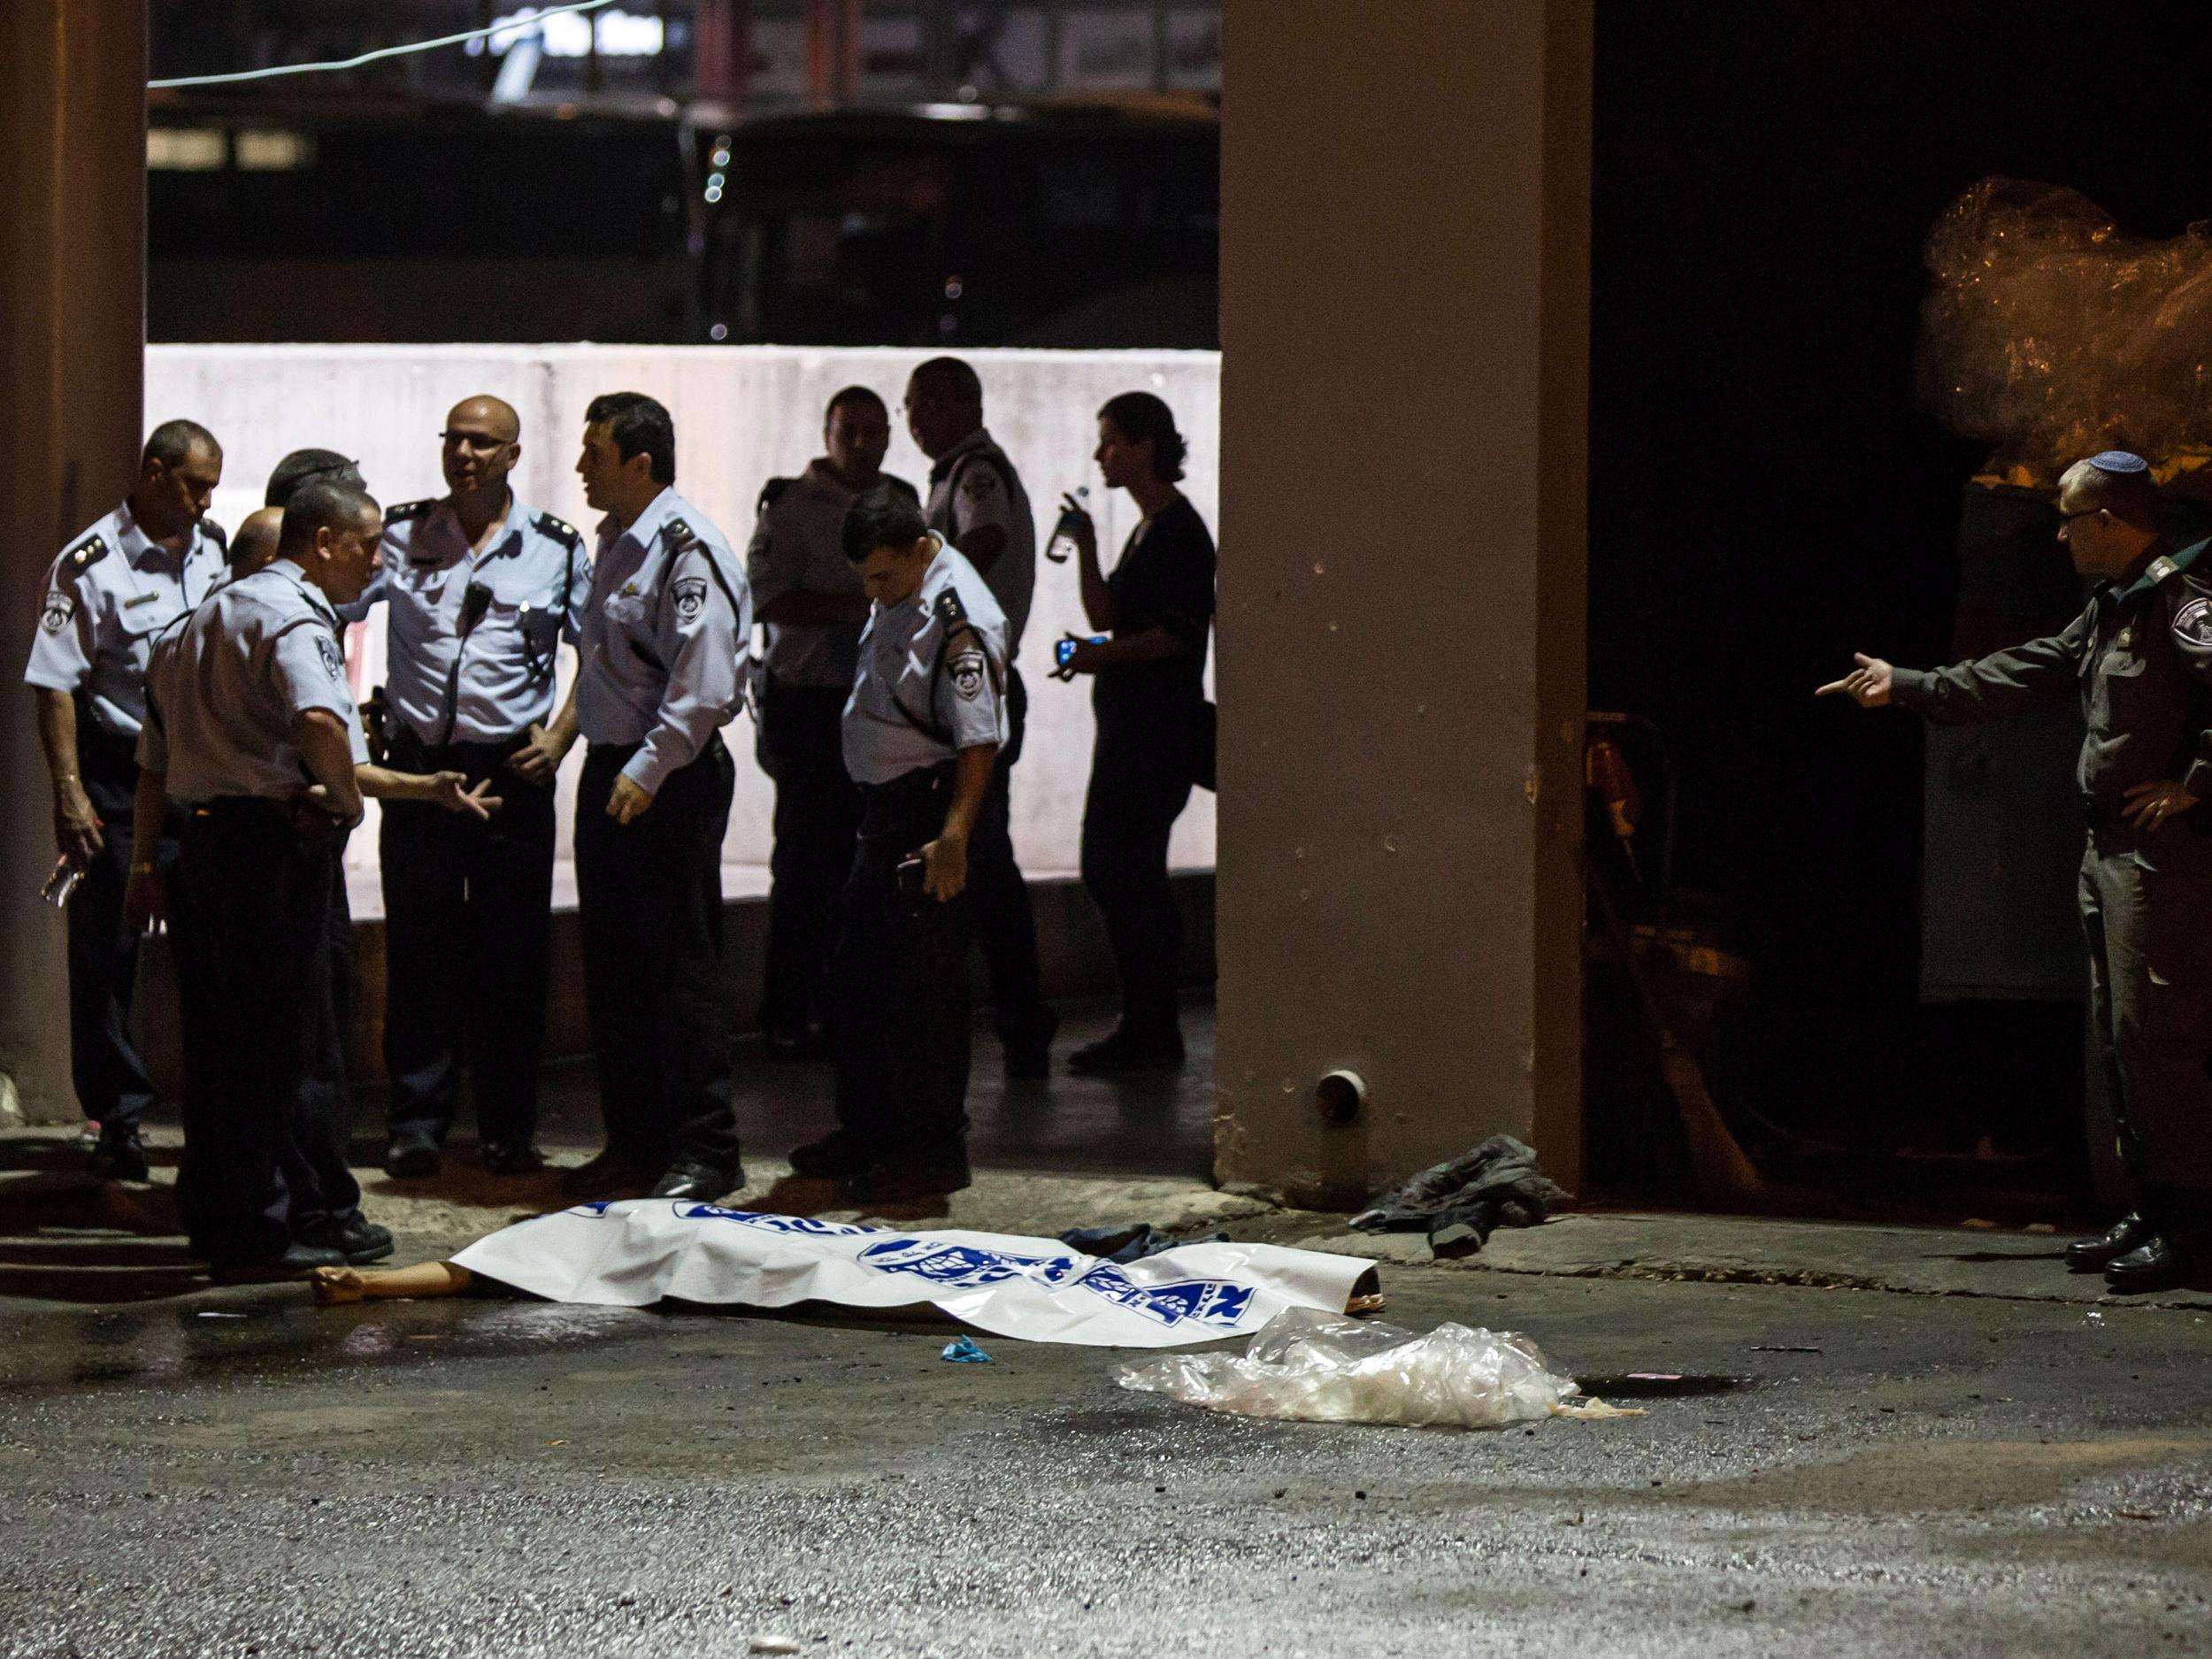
968 670
58 608
85 554
2192 623
559 530
333 663
690 594
407 510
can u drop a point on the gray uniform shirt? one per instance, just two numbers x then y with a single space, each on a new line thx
928 687
537 575
798 545
661 630
107 595
974 484
228 684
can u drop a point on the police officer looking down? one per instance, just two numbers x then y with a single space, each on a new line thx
116 585
809 597
922 731
977 504
667 617
251 727
1149 699
480 589
2140 659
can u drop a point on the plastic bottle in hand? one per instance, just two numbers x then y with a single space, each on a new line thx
1061 549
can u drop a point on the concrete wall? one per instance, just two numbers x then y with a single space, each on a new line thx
742 416
1403 320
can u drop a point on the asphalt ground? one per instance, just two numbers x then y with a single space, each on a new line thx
1837 1472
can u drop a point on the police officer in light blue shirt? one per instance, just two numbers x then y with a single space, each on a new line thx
481 591
112 589
922 729
251 727
663 632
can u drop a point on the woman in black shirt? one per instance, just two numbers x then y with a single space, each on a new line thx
1154 722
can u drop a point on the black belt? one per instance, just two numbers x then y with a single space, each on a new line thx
920 784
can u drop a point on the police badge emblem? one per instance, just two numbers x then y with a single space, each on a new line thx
2192 623
334 664
967 675
59 607
691 596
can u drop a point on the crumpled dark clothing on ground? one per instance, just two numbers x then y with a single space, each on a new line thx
1124 1245
1462 1201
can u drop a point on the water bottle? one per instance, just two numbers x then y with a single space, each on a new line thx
1062 547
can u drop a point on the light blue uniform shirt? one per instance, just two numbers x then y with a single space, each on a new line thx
229 683
927 688
106 597
537 576
667 620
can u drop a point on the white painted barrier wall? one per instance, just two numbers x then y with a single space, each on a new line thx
743 414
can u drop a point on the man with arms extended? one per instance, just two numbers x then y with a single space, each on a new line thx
922 729
977 504
2140 659
481 590
252 728
810 598
665 620
114 587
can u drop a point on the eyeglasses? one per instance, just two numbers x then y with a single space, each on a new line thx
2068 518
480 441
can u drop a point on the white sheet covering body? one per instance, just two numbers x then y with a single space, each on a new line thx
632 1253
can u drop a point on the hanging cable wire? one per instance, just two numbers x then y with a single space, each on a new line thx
515 27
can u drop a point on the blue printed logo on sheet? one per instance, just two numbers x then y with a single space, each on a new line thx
1211 1301
963 1267
771 1223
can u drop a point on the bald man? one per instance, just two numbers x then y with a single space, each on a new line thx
481 590
256 542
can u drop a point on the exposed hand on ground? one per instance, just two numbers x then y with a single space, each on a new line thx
1869 685
336 1286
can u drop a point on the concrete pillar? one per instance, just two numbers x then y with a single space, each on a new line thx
73 308
1404 325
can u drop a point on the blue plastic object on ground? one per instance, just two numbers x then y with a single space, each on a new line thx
964 1352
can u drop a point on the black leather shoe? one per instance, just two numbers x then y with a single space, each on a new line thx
509 1157
702 1183
2091 1255
297 1261
120 1156
1122 1051
358 1238
2149 1267
1029 1052
834 1157
904 1183
411 1155
614 1173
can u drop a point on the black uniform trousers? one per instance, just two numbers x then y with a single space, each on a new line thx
1004 922
802 747
104 1064
649 903
902 1032
264 1154
2147 912
468 907
1141 782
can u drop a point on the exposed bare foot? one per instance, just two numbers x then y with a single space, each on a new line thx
334 1287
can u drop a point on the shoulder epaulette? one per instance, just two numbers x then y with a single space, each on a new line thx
407 510
950 612
85 554
678 534
560 530
772 492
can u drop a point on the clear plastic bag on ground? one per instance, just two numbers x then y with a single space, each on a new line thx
1320 1368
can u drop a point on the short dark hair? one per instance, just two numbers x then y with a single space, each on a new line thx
302 465
853 395
955 376
173 442
637 424
1138 416
884 516
322 502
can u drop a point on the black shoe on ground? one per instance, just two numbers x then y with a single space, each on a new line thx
1029 1052
2153 1266
120 1156
2093 1255
1122 1051
358 1238
834 1157
411 1154
702 1183
297 1261
509 1157
614 1173
904 1183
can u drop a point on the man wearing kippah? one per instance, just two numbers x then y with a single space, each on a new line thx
2140 659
